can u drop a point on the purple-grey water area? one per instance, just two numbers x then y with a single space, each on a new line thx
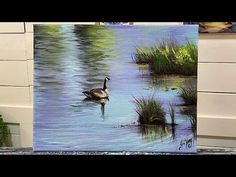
69 59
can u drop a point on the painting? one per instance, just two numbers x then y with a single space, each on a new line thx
115 88
215 27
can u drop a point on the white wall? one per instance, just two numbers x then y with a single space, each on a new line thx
16 80
217 90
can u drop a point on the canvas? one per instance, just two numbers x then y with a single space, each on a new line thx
115 88
215 27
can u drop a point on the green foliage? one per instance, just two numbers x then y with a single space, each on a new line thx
150 111
191 112
143 56
169 58
189 95
193 121
5 136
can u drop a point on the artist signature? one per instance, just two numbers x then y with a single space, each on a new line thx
186 143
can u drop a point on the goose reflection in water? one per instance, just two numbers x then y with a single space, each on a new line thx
102 102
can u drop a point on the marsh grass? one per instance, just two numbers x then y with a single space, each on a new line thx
169 58
189 95
150 111
193 121
5 136
191 112
143 56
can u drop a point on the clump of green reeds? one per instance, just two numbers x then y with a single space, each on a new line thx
191 112
150 111
169 58
189 95
193 121
143 56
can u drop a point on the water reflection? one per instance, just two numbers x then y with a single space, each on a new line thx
102 102
95 45
173 131
154 132
191 113
168 83
49 41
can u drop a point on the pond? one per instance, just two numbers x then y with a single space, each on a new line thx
72 58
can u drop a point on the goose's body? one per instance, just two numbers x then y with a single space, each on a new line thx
98 93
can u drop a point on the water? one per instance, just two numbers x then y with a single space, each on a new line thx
70 59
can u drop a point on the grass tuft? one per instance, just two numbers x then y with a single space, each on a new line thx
189 95
150 111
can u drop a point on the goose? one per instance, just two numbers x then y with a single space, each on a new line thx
98 93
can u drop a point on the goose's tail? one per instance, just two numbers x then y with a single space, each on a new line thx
87 94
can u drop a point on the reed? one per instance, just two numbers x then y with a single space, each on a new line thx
189 95
150 111
169 58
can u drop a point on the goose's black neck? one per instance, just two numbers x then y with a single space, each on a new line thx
105 85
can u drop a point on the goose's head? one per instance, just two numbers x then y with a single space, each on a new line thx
107 79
